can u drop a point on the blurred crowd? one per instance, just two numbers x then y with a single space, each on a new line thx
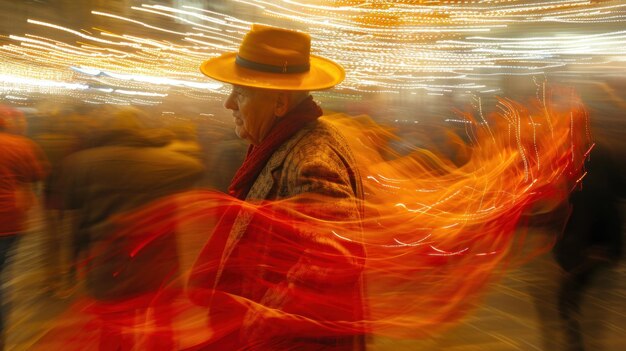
81 166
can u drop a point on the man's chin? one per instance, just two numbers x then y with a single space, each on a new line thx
242 135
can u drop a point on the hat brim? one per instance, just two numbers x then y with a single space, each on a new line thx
323 74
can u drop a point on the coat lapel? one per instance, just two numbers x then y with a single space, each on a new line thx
260 191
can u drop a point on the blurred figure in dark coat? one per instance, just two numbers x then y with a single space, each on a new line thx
186 140
592 239
57 141
127 167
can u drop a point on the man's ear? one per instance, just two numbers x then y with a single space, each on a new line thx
282 104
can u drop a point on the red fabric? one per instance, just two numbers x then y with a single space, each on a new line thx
307 111
264 300
21 162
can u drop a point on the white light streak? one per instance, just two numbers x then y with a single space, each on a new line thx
384 46
40 82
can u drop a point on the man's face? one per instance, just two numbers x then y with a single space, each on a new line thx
253 112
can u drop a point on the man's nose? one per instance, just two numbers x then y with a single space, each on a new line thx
229 103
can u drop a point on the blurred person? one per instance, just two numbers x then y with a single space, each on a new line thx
21 164
212 133
186 140
14 120
126 167
227 155
592 240
57 142
269 286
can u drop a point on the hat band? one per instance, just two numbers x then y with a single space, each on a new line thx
262 67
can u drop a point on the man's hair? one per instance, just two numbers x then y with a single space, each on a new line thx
296 97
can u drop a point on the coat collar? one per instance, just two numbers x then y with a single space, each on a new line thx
265 181
259 191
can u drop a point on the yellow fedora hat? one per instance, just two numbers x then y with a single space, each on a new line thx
274 58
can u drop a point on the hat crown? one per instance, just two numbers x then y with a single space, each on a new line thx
274 46
277 59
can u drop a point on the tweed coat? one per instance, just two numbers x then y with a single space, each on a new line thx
316 160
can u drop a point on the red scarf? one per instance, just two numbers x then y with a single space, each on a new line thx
307 111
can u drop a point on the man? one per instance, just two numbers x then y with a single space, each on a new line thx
21 164
273 275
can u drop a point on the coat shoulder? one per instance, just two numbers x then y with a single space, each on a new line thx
322 138
322 153
317 149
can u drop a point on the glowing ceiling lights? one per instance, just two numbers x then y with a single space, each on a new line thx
391 46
